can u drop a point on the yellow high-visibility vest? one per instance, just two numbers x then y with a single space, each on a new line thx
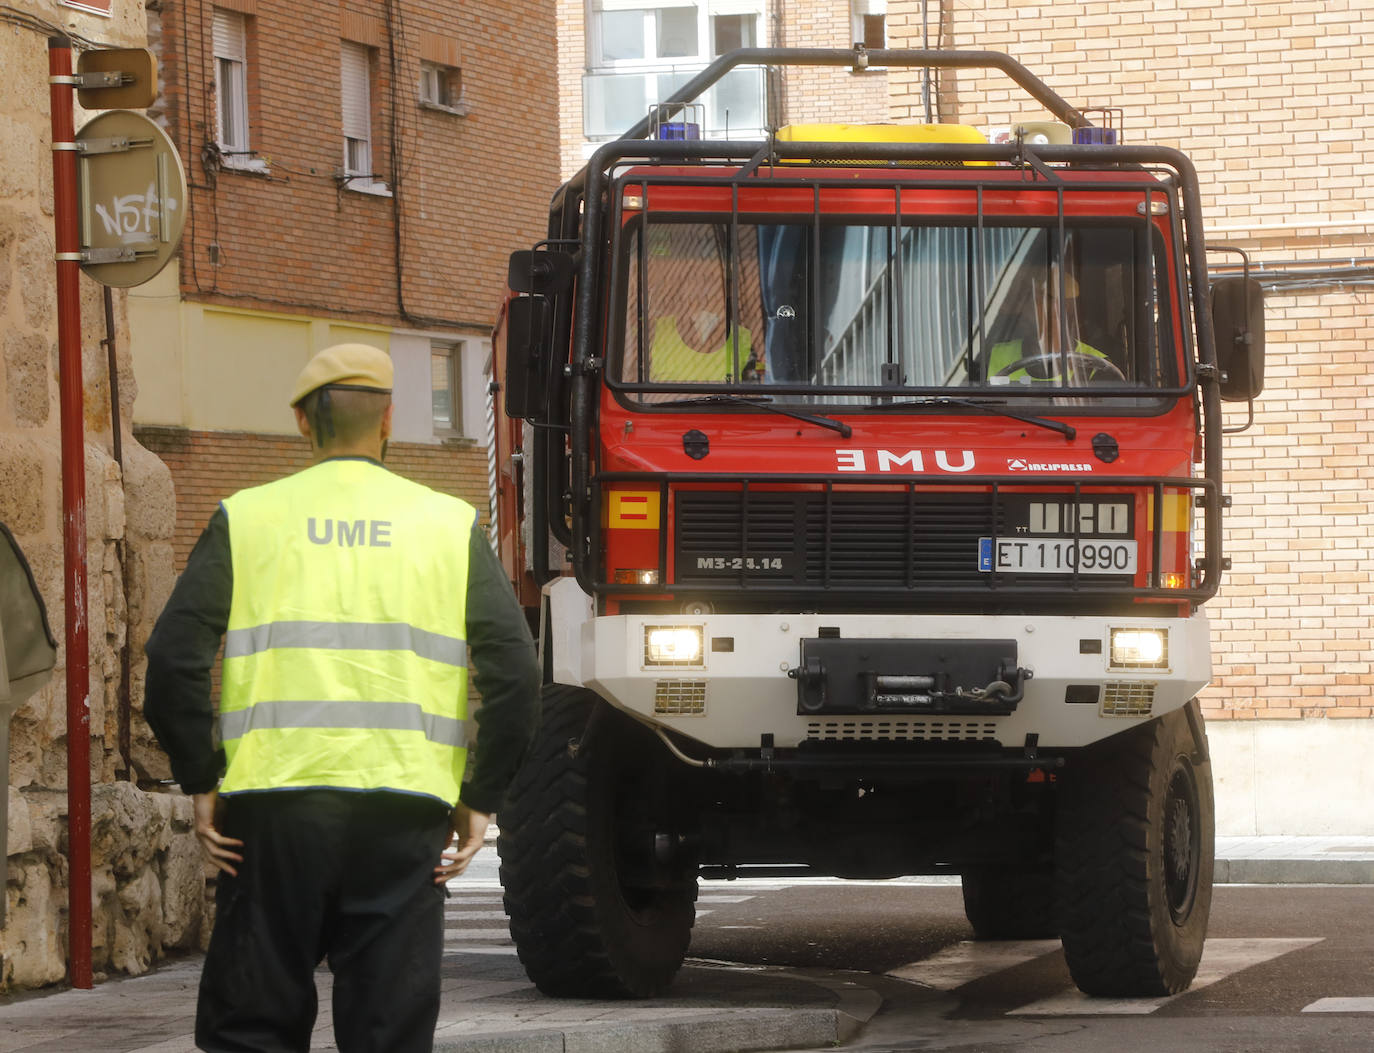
345 661
1004 354
671 358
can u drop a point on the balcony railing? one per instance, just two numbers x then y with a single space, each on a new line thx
736 107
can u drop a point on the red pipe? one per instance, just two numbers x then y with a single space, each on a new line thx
71 399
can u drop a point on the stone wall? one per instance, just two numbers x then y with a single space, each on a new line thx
148 890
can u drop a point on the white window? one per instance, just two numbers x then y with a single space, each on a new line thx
731 31
442 87
642 51
446 385
356 77
230 32
868 22
642 31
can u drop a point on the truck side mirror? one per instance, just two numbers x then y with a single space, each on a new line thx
1238 332
529 334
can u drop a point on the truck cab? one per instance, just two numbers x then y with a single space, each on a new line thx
865 487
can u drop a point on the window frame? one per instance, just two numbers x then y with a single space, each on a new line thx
451 351
440 87
229 36
357 118
860 13
706 12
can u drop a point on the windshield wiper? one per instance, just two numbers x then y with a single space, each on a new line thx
764 402
1067 430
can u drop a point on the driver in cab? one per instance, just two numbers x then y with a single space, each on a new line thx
1057 354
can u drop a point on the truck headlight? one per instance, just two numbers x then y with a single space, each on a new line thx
1139 649
678 645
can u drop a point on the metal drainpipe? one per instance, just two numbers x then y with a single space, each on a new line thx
124 716
925 74
61 84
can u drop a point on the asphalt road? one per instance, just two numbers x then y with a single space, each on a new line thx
1277 961
1287 968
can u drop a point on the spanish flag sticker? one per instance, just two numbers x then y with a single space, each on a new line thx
632 510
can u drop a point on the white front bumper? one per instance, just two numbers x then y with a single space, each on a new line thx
734 696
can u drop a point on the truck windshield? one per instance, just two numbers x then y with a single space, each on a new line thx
849 313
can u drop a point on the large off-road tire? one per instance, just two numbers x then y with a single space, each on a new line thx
1134 856
575 828
1010 903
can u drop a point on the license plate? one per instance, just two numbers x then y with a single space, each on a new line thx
1057 555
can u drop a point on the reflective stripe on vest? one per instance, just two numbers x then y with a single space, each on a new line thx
391 716
347 636
345 661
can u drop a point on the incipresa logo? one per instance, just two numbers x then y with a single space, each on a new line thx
1017 464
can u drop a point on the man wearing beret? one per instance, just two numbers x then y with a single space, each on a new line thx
348 600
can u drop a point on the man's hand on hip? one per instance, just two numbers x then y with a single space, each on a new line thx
218 849
469 829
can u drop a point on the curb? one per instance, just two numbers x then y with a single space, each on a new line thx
734 1031
1293 872
704 1031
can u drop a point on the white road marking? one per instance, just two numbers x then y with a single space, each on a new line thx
475 915
1340 1005
968 961
1220 959
476 934
714 897
462 948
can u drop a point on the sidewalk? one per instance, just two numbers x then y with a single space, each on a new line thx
490 1007
1295 861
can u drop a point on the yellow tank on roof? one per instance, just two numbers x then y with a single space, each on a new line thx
880 133
884 133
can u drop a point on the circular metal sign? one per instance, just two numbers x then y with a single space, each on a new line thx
133 198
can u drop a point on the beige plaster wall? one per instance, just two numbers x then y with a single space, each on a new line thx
205 367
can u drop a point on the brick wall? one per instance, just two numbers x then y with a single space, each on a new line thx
572 64
820 94
208 466
467 188
1274 102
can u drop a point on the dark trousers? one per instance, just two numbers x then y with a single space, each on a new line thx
326 874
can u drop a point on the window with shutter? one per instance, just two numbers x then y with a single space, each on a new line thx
355 74
230 35
868 22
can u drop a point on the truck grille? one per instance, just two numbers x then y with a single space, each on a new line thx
834 539
895 730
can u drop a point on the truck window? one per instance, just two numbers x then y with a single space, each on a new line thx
867 305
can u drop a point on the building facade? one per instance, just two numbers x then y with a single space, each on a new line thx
618 58
359 172
1274 103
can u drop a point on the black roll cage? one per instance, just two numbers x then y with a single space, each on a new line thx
567 479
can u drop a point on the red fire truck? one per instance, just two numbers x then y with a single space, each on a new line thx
864 485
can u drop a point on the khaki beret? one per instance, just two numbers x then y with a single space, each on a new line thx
357 366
